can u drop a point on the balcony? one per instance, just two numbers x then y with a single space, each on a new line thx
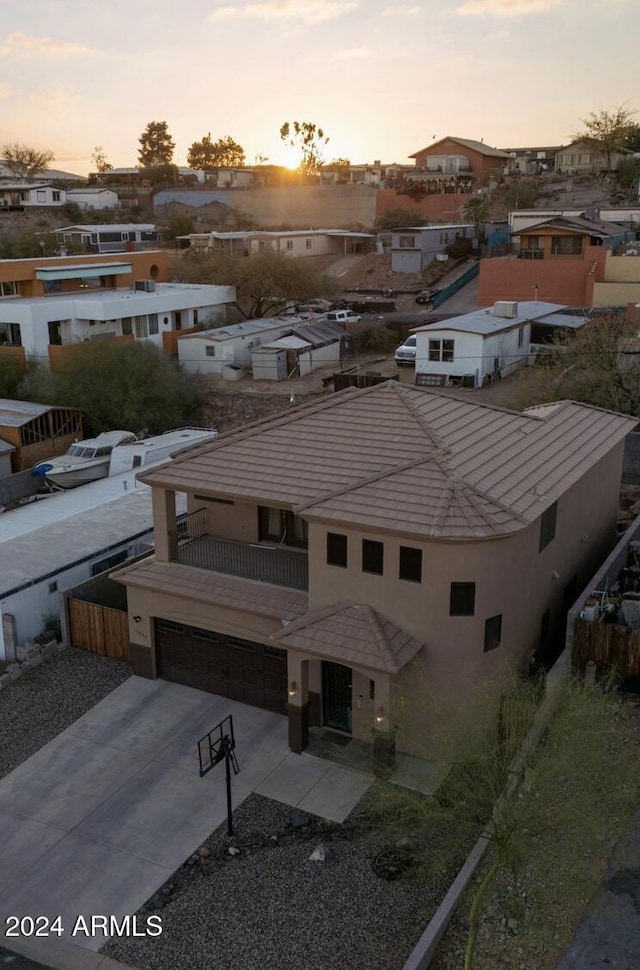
190 545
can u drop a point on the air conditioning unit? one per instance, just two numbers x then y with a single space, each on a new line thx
144 286
505 308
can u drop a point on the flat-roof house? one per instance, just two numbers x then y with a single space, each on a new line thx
63 540
413 248
29 195
221 352
374 560
44 326
93 198
478 347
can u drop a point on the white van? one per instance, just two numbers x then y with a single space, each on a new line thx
342 316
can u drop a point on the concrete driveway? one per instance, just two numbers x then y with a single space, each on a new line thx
99 819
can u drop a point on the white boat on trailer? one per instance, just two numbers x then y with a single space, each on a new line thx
85 461
157 448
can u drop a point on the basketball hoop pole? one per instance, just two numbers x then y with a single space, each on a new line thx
212 748
227 767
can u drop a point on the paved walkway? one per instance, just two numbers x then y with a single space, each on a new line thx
608 936
99 819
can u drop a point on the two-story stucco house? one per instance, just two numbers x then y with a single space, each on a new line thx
374 560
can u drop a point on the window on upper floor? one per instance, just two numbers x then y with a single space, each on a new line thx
406 242
492 632
462 599
372 557
548 526
8 289
336 549
410 564
441 350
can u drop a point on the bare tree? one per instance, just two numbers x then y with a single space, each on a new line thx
23 161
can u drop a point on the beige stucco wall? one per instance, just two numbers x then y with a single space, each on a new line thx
621 282
513 578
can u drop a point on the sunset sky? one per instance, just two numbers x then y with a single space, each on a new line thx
381 77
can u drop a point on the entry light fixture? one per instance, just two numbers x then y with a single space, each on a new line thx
137 619
293 689
380 715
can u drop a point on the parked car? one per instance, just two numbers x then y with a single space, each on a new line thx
425 296
406 354
342 316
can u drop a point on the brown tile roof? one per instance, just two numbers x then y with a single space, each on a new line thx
404 459
215 588
353 634
476 146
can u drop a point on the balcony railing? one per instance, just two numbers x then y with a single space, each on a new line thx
190 545
531 254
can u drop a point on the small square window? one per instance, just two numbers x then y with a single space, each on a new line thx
336 549
372 557
492 632
410 564
53 587
210 351
548 526
462 599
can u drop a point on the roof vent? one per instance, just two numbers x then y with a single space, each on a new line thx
505 308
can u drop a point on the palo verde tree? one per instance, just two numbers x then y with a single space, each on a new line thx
223 153
156 145
604 131
23 161
264 283
309 140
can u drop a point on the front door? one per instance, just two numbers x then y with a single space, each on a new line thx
336 696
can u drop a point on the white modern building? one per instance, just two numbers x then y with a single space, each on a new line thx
475 348
147 311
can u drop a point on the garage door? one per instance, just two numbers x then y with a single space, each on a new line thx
240 669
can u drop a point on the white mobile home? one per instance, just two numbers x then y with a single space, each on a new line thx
413 248
212 351
62 540
485 345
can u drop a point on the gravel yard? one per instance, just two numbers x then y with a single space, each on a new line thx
50 697
272 908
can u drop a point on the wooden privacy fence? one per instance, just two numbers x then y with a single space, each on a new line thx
607 645
99 629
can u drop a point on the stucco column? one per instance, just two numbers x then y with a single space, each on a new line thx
298 706
164 520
